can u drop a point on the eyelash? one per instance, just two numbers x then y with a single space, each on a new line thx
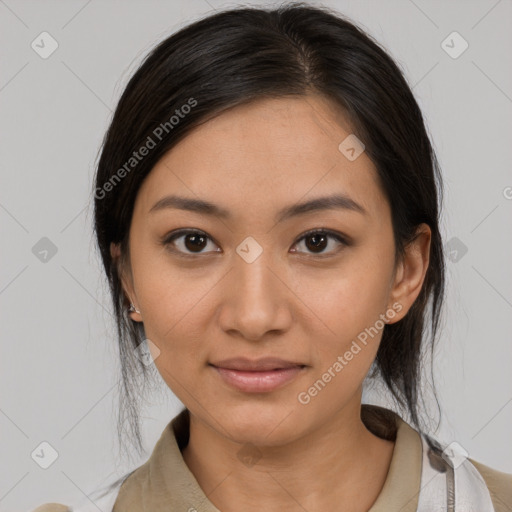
169 239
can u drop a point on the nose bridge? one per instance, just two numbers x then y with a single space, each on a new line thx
254 279
256 300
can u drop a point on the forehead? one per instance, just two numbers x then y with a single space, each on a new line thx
265 154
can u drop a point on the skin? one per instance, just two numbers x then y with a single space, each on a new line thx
291 302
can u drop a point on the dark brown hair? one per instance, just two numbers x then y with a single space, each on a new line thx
239 55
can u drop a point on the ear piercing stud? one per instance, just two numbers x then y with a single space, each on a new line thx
133 309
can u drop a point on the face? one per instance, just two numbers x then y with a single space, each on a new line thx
255 274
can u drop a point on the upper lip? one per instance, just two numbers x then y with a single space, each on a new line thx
263 364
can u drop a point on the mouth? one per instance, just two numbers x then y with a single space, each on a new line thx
257 376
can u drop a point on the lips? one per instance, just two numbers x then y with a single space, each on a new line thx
260 365
257 376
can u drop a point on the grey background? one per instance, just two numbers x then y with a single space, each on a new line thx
59 370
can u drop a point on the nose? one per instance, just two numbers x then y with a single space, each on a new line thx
257 300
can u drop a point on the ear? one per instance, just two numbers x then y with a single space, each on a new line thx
126 280
411 271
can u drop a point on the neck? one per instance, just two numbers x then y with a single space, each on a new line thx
342 456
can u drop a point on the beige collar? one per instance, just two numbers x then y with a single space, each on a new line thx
165 482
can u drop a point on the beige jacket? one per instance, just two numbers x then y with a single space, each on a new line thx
164 482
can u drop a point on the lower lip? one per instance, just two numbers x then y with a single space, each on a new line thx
258 382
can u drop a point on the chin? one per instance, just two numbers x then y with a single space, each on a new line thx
264 424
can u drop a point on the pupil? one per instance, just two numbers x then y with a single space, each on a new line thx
195 242
318 242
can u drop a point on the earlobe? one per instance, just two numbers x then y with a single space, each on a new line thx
411 271
115 251
134 313
126 284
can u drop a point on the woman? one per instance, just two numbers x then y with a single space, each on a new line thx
267 212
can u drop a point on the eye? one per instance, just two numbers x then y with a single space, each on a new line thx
188 240
317 240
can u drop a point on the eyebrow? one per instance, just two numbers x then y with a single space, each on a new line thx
338 201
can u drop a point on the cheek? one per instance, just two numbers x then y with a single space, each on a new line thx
347 327
175 304
172 296
181 352
348 299
350 310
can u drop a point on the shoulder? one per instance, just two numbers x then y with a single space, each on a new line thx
133 486
52 507
101 499
499 485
